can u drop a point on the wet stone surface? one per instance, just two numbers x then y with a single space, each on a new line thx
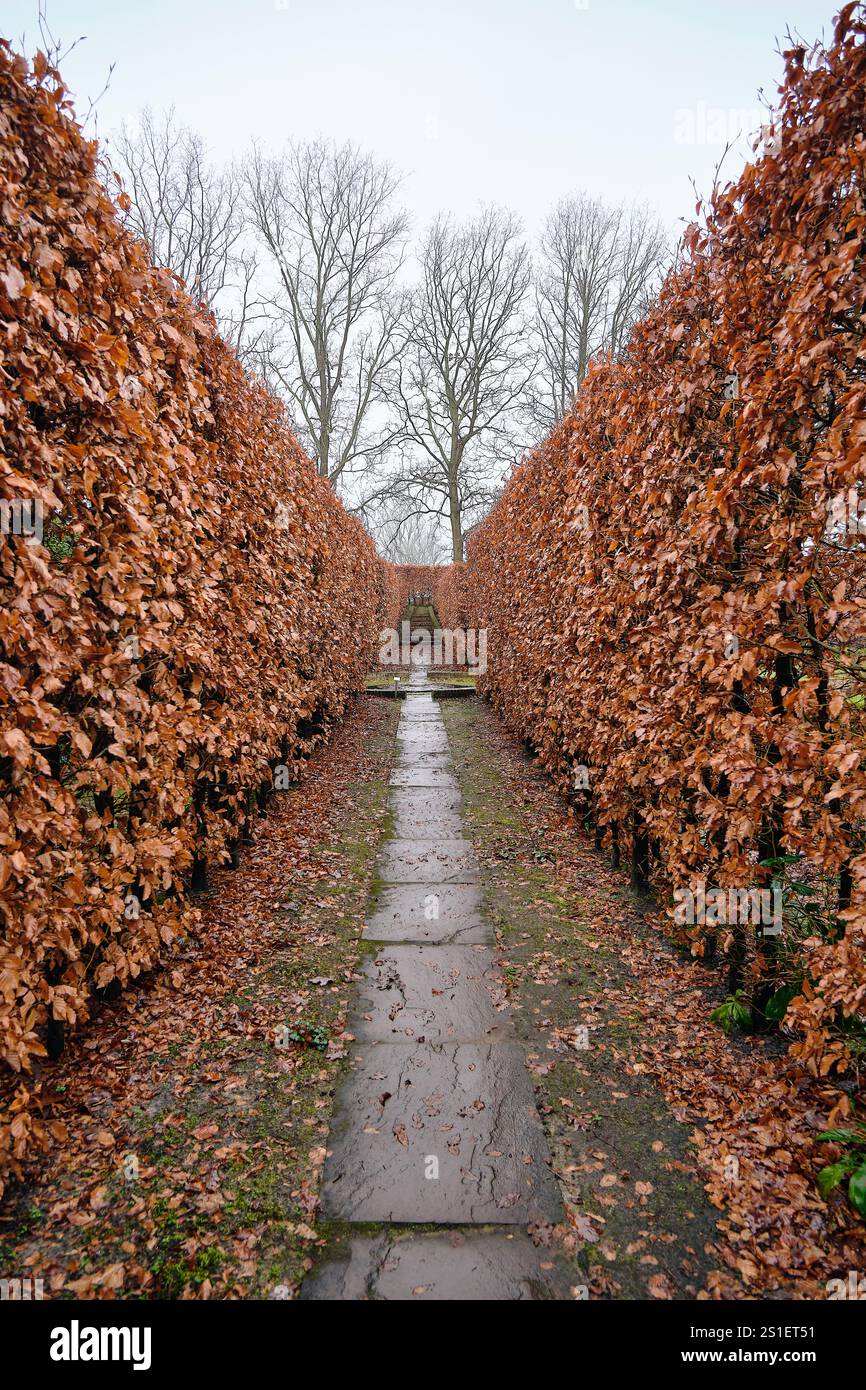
431 994
428 862
415 733
447 1134
461 1265
448 912
425 739
426 814
423 762
435 1122
417 775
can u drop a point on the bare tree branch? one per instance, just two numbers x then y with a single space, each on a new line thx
466 368
599 267
189 214
324 216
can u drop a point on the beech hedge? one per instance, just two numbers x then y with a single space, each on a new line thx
674 583
187 606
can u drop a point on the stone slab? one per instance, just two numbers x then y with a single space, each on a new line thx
426 813
423 777
460 1266
427 862
422 731
468 1107
432 994
422 750
413 757
403 913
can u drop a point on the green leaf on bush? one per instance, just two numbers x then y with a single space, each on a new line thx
805 890
733 1011
831 1176
857 1190
777 1004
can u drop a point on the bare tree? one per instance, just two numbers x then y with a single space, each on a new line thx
599 266
189 214
465 369
324 214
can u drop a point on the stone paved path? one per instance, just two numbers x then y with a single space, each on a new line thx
435 1123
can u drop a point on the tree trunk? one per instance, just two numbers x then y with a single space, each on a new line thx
456 523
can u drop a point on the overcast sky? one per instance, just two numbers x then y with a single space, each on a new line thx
475 100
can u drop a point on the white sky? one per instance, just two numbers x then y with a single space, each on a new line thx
484 100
